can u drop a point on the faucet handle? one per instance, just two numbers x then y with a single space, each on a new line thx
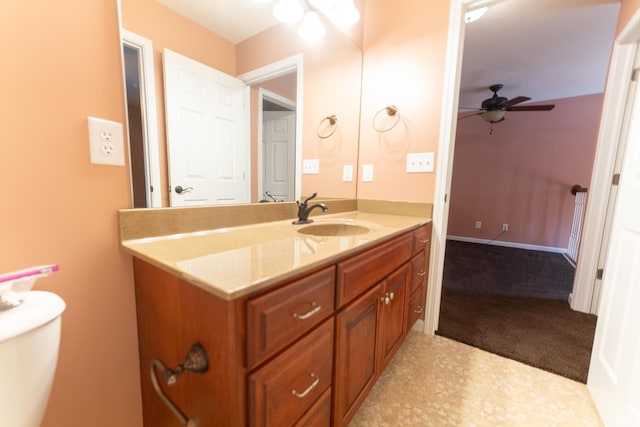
312 197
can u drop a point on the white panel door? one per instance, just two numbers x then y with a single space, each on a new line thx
614 375
279 133
207 134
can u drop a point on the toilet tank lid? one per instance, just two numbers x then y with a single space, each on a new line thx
38 308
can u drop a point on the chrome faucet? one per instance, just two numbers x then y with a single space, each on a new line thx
304 210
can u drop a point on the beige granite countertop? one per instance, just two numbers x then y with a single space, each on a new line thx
234 261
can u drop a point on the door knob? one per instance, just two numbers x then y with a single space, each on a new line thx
179 189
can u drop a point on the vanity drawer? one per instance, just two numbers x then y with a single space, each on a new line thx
415 309
418 272
360 272
422 238
278 318
320 413
289 385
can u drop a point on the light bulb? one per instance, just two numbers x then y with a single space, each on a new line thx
493 115
288 11
311 28
344 14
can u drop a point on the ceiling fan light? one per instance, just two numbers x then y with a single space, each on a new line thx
493 116
288 11
311 28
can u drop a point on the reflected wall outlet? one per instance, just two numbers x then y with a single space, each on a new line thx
311 166
478 224
505 227
420 162
106 142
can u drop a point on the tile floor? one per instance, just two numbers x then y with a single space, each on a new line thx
434 381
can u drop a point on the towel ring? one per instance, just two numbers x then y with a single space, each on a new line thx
332 119
391 110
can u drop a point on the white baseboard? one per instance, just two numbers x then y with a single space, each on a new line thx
508 244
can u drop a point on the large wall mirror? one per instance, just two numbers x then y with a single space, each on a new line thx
301 105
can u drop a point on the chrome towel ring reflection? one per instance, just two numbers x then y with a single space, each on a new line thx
392 111
330 124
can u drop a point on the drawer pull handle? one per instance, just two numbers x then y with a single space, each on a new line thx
419 310
424 241
422 272
313 385
315 307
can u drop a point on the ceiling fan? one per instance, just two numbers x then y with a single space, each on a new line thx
494 109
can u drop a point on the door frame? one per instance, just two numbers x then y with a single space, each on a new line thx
611 122
148 106
285 66
284 102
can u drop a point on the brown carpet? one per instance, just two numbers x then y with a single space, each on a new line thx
544 333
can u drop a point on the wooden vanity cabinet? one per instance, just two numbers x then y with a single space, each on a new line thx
305 352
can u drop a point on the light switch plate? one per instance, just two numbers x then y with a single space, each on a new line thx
347 173
420 162
311 166
106 142
367 173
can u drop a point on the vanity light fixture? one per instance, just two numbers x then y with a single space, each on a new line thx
311 28
288 11
342 13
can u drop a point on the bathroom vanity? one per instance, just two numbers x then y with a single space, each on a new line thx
296 327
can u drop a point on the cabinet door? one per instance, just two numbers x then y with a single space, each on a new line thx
355 369
392 327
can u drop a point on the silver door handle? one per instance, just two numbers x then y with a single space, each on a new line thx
179 189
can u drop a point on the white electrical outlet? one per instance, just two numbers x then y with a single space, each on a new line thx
106 142
478 224
367 173
311 166
420 162
505 227
347 173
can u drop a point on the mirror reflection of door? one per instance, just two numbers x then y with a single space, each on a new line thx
208 146
278 146
137 53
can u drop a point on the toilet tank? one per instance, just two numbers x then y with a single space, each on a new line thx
29 343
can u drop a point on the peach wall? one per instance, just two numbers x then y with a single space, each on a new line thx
331 85
404 55
522 173
167 29
62 64
628 8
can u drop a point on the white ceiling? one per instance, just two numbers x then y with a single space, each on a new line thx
543 49
235 20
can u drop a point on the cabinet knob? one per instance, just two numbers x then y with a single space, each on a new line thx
391 296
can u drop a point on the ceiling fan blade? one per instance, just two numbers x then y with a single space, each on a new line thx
546 107
470 115
514 101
